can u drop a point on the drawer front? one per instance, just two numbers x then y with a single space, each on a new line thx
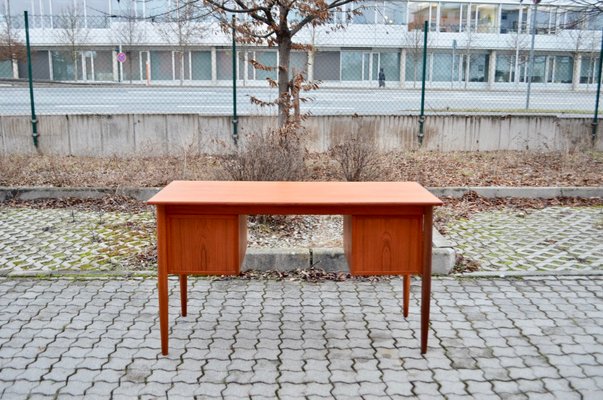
384 245
206 245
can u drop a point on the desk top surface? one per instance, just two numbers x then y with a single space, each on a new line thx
294 193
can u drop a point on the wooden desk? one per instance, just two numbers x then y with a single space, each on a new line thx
202 230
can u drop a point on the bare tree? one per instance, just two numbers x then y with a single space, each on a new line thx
11 48
128 31
414 38
73 33
275 23
181 27
520 43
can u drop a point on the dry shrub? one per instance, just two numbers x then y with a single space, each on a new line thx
358 158
276 155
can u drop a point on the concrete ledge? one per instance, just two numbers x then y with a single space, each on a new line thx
333 259
277 259
524 192
330 259
143 194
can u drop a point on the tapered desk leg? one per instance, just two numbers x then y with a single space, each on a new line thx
426 277
183 294
406 294
162 278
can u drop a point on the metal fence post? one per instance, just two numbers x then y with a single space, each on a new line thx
422 115
595 123
235 121
34 120
531 62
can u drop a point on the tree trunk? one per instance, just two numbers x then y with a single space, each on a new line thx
284 102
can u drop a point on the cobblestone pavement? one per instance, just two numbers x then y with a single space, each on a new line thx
59 240
36 241
548 240
536 338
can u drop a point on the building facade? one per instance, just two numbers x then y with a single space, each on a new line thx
472 44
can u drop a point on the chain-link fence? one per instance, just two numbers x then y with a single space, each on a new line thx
478 59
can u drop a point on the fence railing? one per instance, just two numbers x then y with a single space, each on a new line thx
362 69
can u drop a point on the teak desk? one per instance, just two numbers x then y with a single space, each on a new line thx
202 229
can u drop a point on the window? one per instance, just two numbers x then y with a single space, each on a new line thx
443 69
414 66
563 69
390 62
421 12
365 66
326 66
451 17
505 65
478 67
201 65
6 69
267 59
588 69
224 64
131 68
298 62
391 12
483 18
512 18
179 59
103 65
351 66
367 15
62 66
161 66
545 19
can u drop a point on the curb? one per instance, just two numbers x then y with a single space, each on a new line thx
143 194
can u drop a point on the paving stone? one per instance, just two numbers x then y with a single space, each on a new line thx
345 368
507 241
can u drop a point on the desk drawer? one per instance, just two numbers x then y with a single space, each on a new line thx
203 244
383 245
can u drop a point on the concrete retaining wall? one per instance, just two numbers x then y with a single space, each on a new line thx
174 134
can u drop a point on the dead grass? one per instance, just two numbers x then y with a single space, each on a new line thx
501 168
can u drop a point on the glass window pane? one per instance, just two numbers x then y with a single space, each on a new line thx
103 65
326 66
509 18
539 69
504 64
131 67
375 67
483 18
201 65
368 13
564 69
421 12
179 59
224 64
268 59
161 65
414 66
478 68
6 69
394 12
587 69
450 17
351 66
298 63
390 62
62 66
442 67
